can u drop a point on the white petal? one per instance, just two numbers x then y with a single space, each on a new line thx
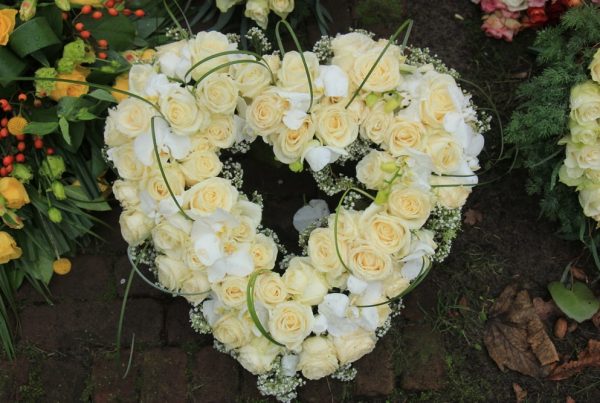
294 118
369 318
334 304
412 268
356 285
143 148
306 215
210 310
179 146
168 208
319 324
321 156
289 362
335 81
240 263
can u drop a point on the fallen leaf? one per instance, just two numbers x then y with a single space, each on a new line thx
596 319
473 216
590 357
570 400
560 328
577 302
520 393
515 336
545 309
579 274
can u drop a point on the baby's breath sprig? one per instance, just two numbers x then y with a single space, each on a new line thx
331 183
422 56
233 38
259 40
198 321
323 49
345 373
275 383
445 224
234 172
305 233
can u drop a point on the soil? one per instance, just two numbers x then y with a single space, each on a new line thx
434 351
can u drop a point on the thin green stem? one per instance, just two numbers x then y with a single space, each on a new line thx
252 308
122 313
232 52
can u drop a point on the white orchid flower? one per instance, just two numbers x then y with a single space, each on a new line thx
205 236
177 146
239 263
333 80
313 211
299 103
318 156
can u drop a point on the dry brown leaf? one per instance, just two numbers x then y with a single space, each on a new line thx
545 309
596 319
560 328
515 336
590 357
579 274
473 217
521 394
569 400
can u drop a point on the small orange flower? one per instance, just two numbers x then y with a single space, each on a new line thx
61 266
16 125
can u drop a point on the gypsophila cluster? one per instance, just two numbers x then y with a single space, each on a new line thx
276 383
259 40
233 172
445 224
143 254
273 235
345 373
422 56
241 147
175 33
362 31
305 233
322 49
330 183
198 321
233 38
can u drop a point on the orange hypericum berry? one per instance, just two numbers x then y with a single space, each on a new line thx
22 97
102 43
3 122
113 12
4 132
127 12
86 9
21 146
50 151
79 26
38 144
85 34
97 15
109 4
20 157
102 55
140 13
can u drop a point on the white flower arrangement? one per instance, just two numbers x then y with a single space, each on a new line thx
259 10
419 142
581 167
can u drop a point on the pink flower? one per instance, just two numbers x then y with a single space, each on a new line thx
500 27
489 6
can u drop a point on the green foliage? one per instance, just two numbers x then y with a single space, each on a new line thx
541 119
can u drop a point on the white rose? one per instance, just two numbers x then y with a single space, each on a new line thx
251 78
335 127
289 145
172 273
403 134
257 357
232 291
369 170
346 47
139 75
219 93
595 67
395 285
587 156
126 192
135 226
258 10
200 165
174 59
304 283
181 111
264 252
322 252
224 5
245 231
292 74
169 240
452 195
264 115
155 185
516 5
347 225
589 198
585 103
318 358
353 346
197 288
112 136
205 197
132 117
270 289
369 263
587 134
445 153
412 206
205 44
231 331
385 232
376 124
290 323
220 132
281 7
386 75
438 98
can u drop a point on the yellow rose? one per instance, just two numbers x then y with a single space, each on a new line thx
446 154
335 126
281 7
585 103
412 206
132 117
369 263
200 165
155 185
437 99
257 357
289 145
265 113
595 67
232 291
169 239
172 273
231 331
403 134
322 252
135 226
197 287
121 83
369 170
292 74
258 10
385 232
62 89
376 124
185 117
386 75
219 93
13 192
205 197
290 323
353 346
251 78
124 159
7 24
8 248
264 252
304 283
206 44
270 289
318 358
220 132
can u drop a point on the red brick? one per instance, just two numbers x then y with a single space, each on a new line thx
89 279
111 232
375 376
323 390
139 288
107 378
215 377
178 327
12 375
163 375
423 354
62 379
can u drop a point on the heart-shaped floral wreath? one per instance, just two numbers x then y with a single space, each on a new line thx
395 110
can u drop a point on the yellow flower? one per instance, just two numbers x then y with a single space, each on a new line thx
95 3
16 125
7 24
121 83
13 192
61 266
8 248
148 55
63 89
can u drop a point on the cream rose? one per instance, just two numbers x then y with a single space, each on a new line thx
595 67
172 273
132 117
224 5
264 252
318 358
290 323
139 76
265 113
347 47
369 263
587 156
347 225
207 196
205 44
445 153
589 198
412 206
281 7
219 93
258 10
335 127
305 284
289 145
200 165
587 134
251 78
376 124
257 357
437 99
452 197
112 136
385 232
135 226
126 192
369 170
270 289
353 346
231 331
395 285
292 74
386 75
403 134
322 252
170 240
245 231
220 132
154 184
232 291
196 288
179 107
585 103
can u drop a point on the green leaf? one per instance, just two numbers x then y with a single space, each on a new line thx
64 129
41 269
118 31
81 199
85 114
578 303
32 36
102 95
10 65
41 128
